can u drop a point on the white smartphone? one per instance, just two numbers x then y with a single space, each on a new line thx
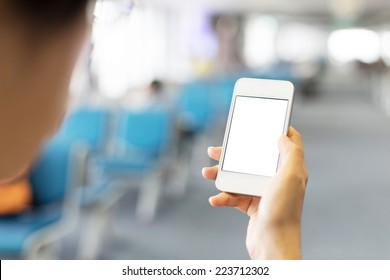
259 114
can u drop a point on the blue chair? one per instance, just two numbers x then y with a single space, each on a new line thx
222 93
141 137
142 141
196 113
55 207
195 106
87 124
89 128
145 133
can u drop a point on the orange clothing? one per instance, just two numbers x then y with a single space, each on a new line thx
15 196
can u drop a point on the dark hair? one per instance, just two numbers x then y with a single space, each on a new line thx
48 15
157 85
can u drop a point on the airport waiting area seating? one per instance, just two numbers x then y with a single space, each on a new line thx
31 234
87 124
120 145
139 139
142 141
89 127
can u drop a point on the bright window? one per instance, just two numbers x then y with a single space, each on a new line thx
354 44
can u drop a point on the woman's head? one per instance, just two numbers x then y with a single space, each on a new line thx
39 44
45 14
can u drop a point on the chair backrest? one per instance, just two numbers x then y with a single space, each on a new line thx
50 178
222 93
146 131
195 105
89 125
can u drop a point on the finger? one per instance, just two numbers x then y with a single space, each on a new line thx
291 154
239 202
287 142
214 152
295 136
210 173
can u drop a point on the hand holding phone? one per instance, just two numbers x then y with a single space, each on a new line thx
262 171
275 219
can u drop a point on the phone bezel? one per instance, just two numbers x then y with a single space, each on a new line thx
247 184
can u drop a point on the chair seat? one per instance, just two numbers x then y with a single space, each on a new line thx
108 175
15 230
113 166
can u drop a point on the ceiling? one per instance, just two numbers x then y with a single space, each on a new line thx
321 8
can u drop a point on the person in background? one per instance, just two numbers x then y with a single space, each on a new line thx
40 41
152 96
156 87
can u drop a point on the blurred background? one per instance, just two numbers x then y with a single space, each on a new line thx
152 91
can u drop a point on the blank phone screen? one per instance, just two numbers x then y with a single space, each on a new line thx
252 144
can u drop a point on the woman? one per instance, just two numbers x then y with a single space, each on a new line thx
39 44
